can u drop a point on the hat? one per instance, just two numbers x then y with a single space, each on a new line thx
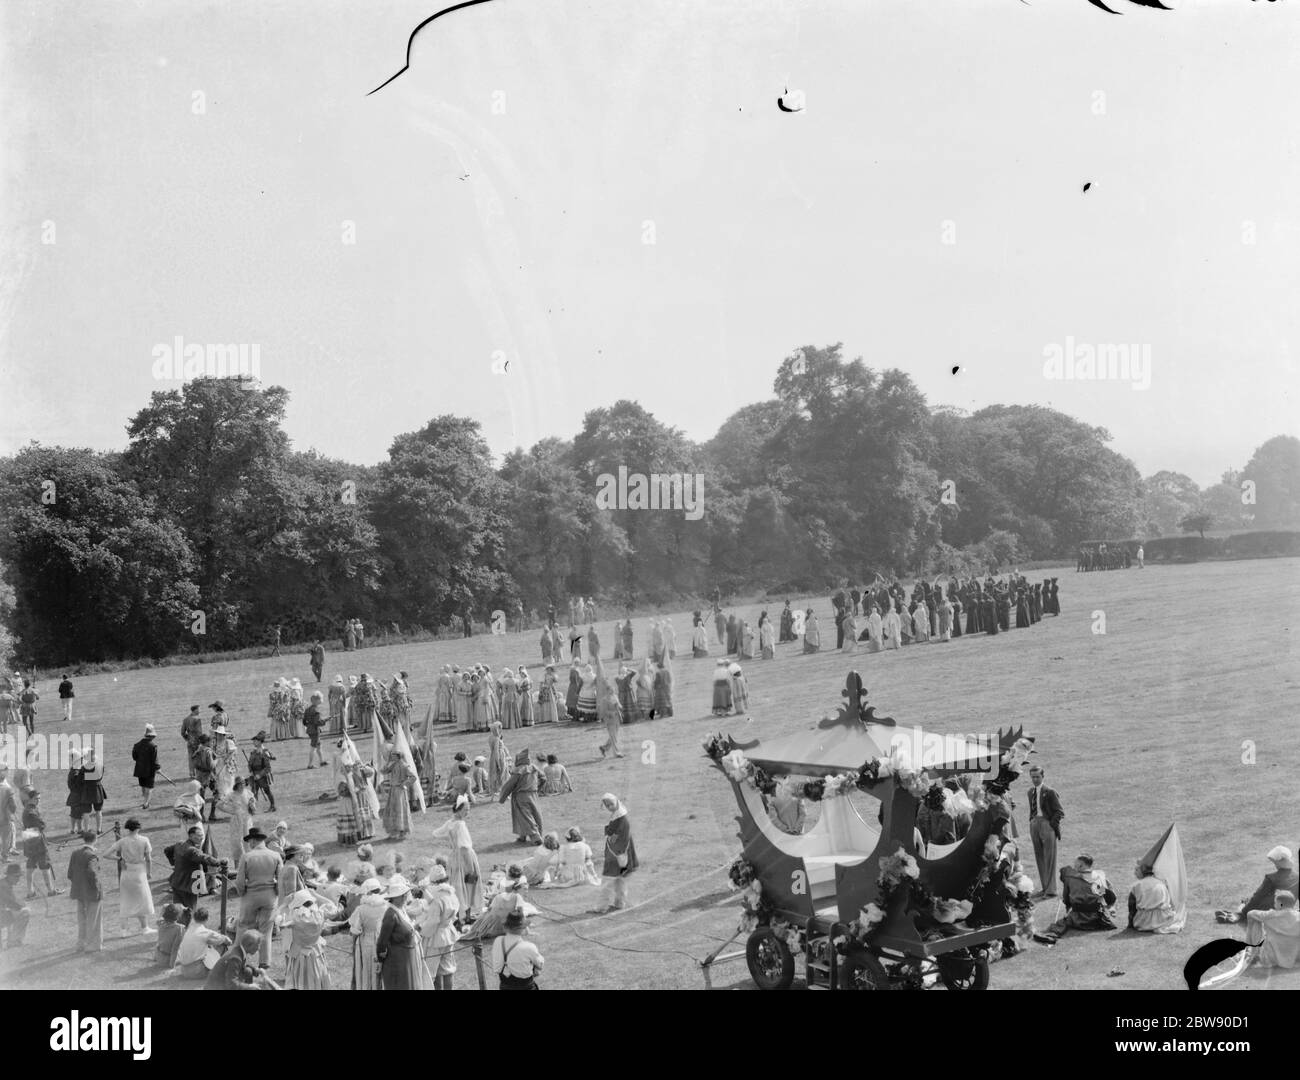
516 920
291 850
149 732
397 886
437 875
281 826
260 737
255 833
219 728
218 704
522 757
1282 856
300 899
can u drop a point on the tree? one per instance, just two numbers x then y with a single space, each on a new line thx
438 512
96 574
1274 469
1197 522
1168 497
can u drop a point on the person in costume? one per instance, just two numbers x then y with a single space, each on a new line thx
593 642
699 640
1150 907
145 770
670 639
733 635
521 790
766 637
663 689
787 624
397 810
524 688
239 806
555 777
620 854
943 612
618 640
739 690
508 898
515 960
509 701
575 644
608 711
364 924
1282 877
657 643
721 689
643 688
296 706
312 721
462 864
812 635
259 769
1088 900
875 627
627 639
304 966
746 640
546 645
498 760
463 688
720 625
438 928
586 711
397 947
1276 932
548 700
891 629
576 865
545 859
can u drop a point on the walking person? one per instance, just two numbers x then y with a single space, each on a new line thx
27 699
317 659
134 855
620 854
86 890
35 849
66 695
312 721
521 789
191 729
259 770
145 755
1045 816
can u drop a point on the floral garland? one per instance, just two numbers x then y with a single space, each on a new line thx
1002 869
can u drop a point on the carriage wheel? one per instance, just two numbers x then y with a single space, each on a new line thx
770 963
862 971
964 972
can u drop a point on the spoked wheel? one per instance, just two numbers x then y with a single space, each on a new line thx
964 972
862 971
770 963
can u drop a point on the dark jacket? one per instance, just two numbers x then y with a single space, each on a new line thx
1284 880
186 859
65 689
145 755
234 971
1051 808
83 873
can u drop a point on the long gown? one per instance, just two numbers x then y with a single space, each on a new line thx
746 641
134 897
525 813
510 704
720 625
546 646
548 710
364 924
699 642
498 760
627 640
462 864
876 629
767 640
524 686
571 697
663 692
812 636
397 811
304 964
402 967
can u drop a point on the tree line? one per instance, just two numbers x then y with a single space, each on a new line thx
209 527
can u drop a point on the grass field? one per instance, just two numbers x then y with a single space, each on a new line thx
1137 727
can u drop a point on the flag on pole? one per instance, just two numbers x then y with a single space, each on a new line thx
402 745
1166 861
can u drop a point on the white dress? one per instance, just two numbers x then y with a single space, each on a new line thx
133 892
576 865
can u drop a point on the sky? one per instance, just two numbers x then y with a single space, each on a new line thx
606 195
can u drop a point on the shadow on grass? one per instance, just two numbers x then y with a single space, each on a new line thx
707 901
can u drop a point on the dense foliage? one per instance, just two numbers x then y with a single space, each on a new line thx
208 529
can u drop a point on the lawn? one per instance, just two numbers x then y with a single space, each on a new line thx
1138 727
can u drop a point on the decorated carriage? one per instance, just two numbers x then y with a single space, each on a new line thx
866 903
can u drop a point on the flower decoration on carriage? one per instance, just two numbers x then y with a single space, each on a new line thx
840 784
934 797
868 919
898 866
814 790
717 745
790 934
736 766
741 873
948 911
756 908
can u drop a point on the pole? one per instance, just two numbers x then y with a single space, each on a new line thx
478 964
225 888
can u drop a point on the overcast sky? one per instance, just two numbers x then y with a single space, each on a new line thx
500 191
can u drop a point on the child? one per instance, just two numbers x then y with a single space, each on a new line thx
739 690
313 720
34 846
721 690
334 886
478 776
576 866
555 777
458 787
462 867
170 933
539 866
199 948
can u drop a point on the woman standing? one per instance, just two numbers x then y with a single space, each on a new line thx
571 695
437 928
462 866
548 708
398 945
498 760
509 702
850 623
746 640
721 689
397 811
355 822
608 710
618 640
521 790
135 855
663 690
627 638
644 687
620 854
524 686
338 695
733 635
720 625
575 644
699 640
546 645
442 698
812 635
239 807
304 964
587 695
557 645
766 637
145 755
364 925
464 691
277 709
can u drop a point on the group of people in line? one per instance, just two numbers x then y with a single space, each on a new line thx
1104 557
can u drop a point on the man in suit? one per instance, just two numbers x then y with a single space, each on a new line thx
1089 902
235 970
187 859
1045 815
83 873
1282 878
256 883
